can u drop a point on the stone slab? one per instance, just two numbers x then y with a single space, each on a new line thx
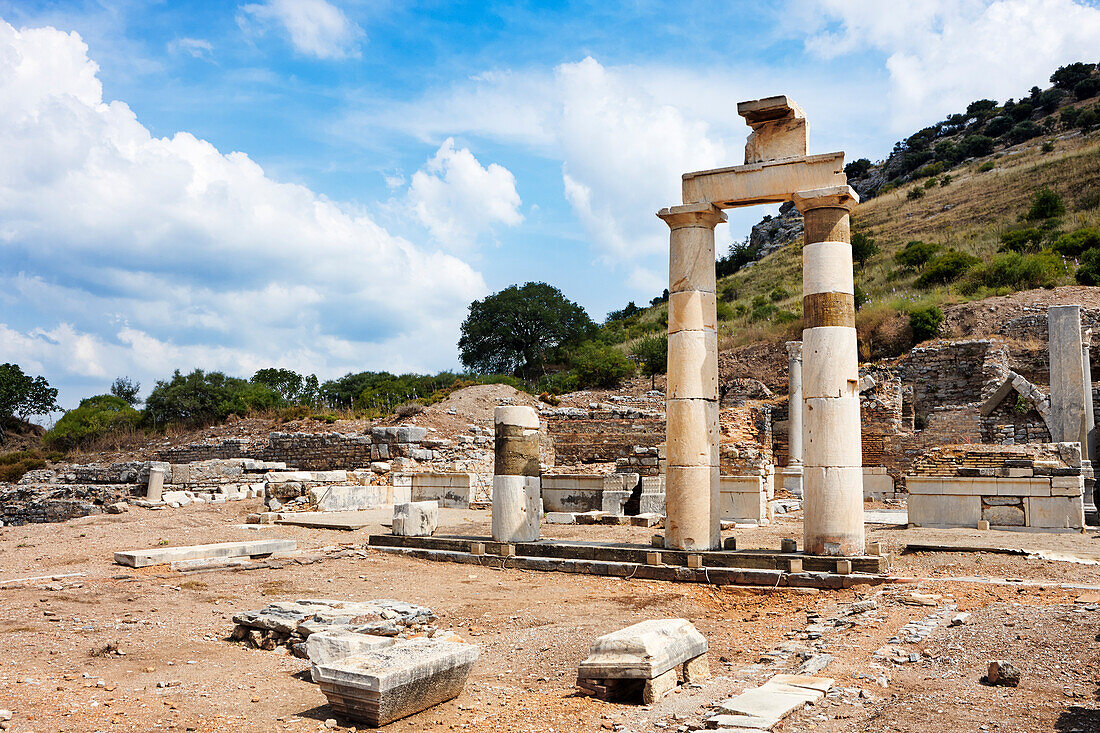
415 518
162 555
353 497
776 698
385 685
643 651
328 520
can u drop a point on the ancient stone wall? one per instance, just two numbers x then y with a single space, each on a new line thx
606 433
952 373
745 445
319 451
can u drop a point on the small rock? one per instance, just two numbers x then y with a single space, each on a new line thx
1002 673
330 723
959 619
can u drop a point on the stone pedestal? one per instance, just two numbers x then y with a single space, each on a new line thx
415 518
832 457
517 487
692 489
155 488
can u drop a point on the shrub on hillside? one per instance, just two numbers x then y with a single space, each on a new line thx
998 126
1028 239
1089 271
1016 271
560 383
14 465
100 418
1045 204
915 253
1074 243
1068 76
975 146
925 322
863 248
597 365
946 268
1023 132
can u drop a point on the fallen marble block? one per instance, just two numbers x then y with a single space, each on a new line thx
381 686
644 659
415 518
763 707
325 647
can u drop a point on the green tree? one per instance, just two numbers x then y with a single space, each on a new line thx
857 168
103 416
946 268
22 396
651 353
126 389
518 329
863 248
284 382
205 398
1068 76
598 365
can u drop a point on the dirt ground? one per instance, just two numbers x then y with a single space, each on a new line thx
179 672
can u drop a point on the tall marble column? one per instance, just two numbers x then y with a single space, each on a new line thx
517 480
794 403
691 488
1070 385
831 451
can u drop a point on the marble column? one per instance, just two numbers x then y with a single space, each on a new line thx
832 457
1070 386
155 487
691 489
517 482
1090 415
792 472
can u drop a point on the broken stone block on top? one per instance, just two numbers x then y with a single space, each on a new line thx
381 686
330 646
642 660
415 518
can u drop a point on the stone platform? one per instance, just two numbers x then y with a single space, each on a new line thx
744 567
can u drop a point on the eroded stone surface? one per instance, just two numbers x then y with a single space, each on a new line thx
387 684
644 650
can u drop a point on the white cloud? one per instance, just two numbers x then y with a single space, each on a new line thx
126 253
458 199
316 27
195 47
943 54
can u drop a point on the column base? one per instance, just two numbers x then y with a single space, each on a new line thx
792 480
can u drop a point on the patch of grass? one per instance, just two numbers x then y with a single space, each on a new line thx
193 585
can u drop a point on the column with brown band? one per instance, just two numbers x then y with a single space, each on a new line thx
517 478
691 482
831 451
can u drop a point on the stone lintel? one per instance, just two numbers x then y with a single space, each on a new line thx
769 109
767 182
828 197
703 214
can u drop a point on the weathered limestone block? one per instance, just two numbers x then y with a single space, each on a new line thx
1004 516
385 685
325 647
351 498
644 659
832 268
696 443
693 365
829 427
643 651
830 345
779 129
159 555
415 518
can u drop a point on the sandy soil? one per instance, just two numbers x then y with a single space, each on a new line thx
533 629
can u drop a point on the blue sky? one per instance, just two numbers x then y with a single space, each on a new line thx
325 185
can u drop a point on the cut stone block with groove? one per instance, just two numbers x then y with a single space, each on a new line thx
331 646
385 685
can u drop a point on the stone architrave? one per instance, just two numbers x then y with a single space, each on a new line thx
1068 379
155 487
517 484
832 481
692 481
779 129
